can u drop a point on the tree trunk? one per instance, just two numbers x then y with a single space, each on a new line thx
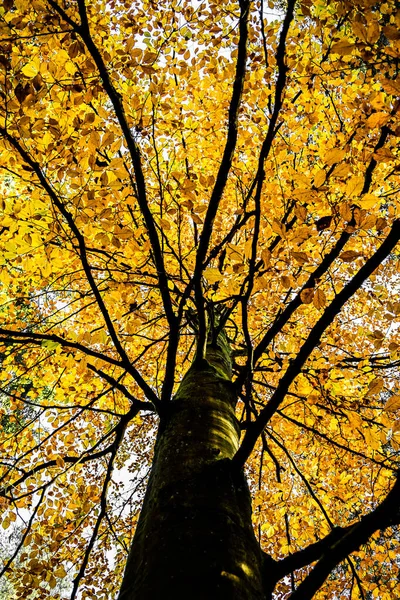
194 539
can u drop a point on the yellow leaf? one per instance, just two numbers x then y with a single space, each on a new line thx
334 156
30 70
368 201
372 438
300 257
248 247
234 253
165 224
392 404
266 257
60 572
359 30
391 86
268 529
368 34
196 219
94 140
50 344
377 119
354 186
396 424
149 57
349 255
212 275
189 185
341 170
375 386
303 386
136 52
391 32
344 47
278 228
354 419
108 139
319 299
301 213
395 444
319 178
373 32
381 224
384 155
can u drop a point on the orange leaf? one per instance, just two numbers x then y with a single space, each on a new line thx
319 299
307 295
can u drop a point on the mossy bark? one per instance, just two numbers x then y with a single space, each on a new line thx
194 538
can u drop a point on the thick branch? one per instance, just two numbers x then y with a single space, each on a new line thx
223 171
255 428
284 317
84 260
257 185
327 261
310 554
103 507
333 550
84 32
81 242
28 337
86 456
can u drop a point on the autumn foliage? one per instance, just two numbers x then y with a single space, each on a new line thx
173 168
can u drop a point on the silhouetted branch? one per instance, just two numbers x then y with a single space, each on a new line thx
333 442
333 549
284 317
27 337
138 404
323 267
103 507
25 534
83 31
222 175
255 428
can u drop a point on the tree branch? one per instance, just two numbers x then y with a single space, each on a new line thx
333 442
103 507
86 456
327 261
138 404
28 337
84 32
25 534
284 317
222 175
255 428
342 542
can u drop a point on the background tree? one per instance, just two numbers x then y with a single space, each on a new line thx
191 184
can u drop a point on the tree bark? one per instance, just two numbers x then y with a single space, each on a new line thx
194 538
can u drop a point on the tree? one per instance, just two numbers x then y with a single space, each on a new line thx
199 228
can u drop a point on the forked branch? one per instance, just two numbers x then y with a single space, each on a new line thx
255 429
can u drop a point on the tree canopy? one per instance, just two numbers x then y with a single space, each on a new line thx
173 167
